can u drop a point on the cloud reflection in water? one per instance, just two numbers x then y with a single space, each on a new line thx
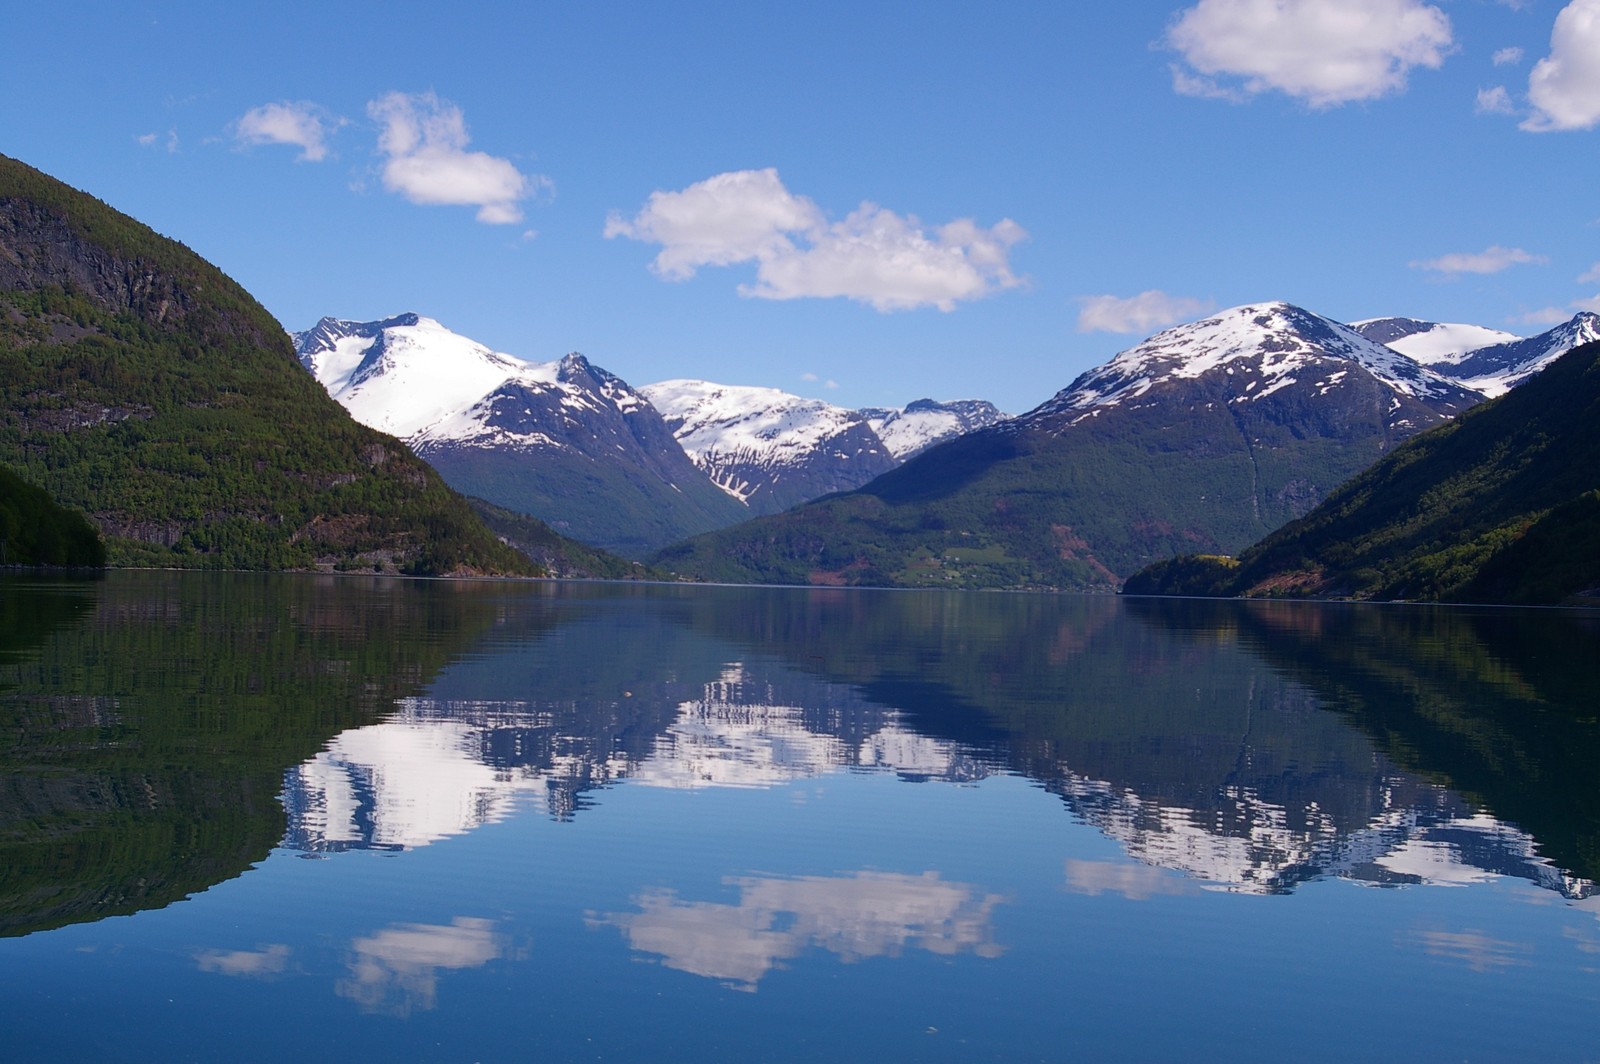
397 969
866 914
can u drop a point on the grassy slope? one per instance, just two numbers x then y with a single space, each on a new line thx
141 385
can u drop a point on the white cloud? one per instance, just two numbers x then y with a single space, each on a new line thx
300 123
1495 101
1142 313
1591 276
734 217
1592 304
1564 87
1490 260
873 256
425 139
1508 57
1325 52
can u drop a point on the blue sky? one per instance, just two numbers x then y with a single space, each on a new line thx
864 202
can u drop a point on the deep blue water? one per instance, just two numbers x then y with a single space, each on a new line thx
264 818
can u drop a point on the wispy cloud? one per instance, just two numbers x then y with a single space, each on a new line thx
1542 316
1490 260
169 139
300 123
1142 313
425 141
1590 276
256 964
1495 101
873 256
1564 87
1325 52
1508 57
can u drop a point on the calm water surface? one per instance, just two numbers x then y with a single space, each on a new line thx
269 818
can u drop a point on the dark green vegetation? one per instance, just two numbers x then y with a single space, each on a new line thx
554 553
147 719
1501 505
35 531
1072 502
142 386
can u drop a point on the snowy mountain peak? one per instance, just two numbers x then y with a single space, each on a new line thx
1268 346
565 441
768 448
925 422
1431 342
408 375
1497 369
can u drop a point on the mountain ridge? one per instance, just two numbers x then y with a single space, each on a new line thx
1501 505
564 441
1186 442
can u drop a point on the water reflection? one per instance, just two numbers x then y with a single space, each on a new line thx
442 767
260 963
1188 734
1475 949
396 970
152 719
854 917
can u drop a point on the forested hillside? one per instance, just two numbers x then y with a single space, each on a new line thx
141 385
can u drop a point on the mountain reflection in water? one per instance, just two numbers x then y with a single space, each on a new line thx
1244 745
1251 746
696 823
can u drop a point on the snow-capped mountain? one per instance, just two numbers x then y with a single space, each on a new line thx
767 448
1255 351
1201 439
564 441
1486 360
1431 342
920 425
1497 369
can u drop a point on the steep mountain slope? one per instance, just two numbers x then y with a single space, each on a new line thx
1485 360
919 425
564 441
1502 505
142 386
559 556
35 530
1202 438
767 448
